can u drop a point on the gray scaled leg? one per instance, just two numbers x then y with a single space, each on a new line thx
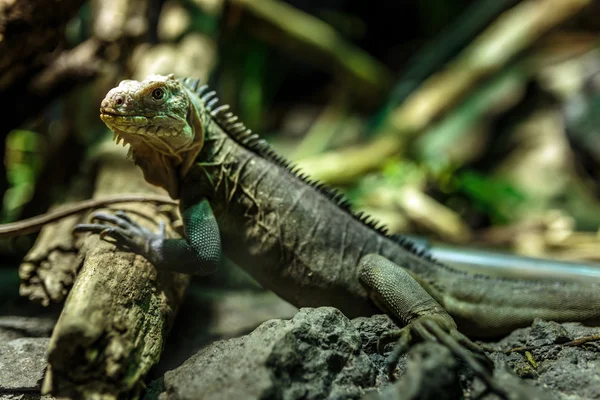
399 295
199 253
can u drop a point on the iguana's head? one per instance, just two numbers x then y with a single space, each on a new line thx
160 122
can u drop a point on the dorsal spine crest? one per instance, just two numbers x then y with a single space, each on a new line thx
230 123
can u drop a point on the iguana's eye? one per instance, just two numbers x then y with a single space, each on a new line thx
158 94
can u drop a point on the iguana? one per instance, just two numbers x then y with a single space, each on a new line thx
299 238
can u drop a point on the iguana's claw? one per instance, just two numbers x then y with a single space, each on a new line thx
123 230
425 328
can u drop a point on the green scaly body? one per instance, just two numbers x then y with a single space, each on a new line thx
303 242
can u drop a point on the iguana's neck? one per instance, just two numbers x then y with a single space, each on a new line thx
225 173
211 176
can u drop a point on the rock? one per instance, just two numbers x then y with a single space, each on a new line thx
7 335
371 328
24 396
321 354
316 354
570 372
22 364
217 314
14 327
545 333
519 389
20 318
431 373
24 336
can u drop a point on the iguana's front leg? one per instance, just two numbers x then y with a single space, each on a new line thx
399 295
198 253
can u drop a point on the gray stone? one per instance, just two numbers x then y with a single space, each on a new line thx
22 364
371 328
25 396
569 372
7 335
519 389
321 354
14 327
431 374
316 354
207 316
545 333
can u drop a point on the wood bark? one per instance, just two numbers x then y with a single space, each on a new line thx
120 308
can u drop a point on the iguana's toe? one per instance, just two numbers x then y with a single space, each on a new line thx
123 231
425 328
120 219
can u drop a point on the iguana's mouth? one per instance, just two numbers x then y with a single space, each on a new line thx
129 119
115 113
112 113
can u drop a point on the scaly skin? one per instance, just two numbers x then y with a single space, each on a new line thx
298 239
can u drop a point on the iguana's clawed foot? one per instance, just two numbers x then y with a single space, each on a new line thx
429 328
124 231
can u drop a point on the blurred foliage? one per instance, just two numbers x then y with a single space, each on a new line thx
495 198
23 164
466 115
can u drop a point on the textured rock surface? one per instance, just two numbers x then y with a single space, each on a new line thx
571 372
208 315
431 373
25 329
14 327
24 396
316 354
321 354
22 364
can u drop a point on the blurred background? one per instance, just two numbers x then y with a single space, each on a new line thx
468 122
473 124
